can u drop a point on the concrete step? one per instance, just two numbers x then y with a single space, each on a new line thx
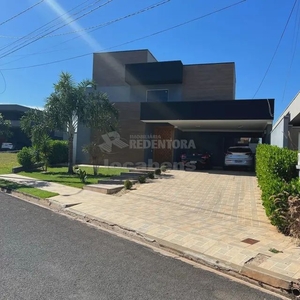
146 169
104 188
116 181
124 177
140 171
130 174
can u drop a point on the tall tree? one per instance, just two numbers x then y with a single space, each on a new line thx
72 103
4 127
35 124
101 117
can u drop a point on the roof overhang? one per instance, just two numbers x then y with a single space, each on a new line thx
221 116
218 125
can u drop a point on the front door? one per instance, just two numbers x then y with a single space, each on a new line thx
163 153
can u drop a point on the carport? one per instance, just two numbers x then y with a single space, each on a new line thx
212 125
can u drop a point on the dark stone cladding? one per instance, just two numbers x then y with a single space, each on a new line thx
168 72
209 110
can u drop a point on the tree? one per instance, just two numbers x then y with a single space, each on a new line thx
95 155
4 127
72 103
101 117
35 124
45 150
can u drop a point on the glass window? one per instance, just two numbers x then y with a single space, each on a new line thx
157 95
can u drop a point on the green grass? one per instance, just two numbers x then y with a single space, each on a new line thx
60 175
26 189
7 162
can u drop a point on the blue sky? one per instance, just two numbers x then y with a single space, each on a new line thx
246 34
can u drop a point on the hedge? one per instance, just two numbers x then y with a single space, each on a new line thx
59 152
28 156
278 179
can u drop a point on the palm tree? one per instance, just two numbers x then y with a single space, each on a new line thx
72 103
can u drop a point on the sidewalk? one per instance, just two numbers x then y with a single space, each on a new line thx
214 217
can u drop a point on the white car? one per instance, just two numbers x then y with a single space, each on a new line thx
7 146
239 156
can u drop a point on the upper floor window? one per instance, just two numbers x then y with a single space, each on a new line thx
157 95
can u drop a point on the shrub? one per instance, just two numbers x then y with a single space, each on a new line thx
142 179
275 162
59 152
127 184
294 216
163 168
286 209
26 157
277 177
82 175
274 167
151 175
157 172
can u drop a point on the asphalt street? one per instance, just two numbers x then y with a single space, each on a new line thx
45 255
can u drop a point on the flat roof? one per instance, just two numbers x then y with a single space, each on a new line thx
147 50
17 107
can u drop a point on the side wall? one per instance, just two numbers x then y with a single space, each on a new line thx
293 141
279 134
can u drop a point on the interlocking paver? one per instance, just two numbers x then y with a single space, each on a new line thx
209 212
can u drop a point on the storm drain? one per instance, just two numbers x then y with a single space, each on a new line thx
250 241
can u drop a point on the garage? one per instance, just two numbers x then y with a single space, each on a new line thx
213 126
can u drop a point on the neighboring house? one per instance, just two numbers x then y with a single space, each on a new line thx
14 113
170 101
286 130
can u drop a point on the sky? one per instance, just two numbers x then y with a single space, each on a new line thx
247 33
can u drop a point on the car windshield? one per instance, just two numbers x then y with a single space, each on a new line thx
239 150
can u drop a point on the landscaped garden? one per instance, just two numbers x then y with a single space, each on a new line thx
61 175
7 162
54 174
68 105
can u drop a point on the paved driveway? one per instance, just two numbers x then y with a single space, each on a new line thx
208 212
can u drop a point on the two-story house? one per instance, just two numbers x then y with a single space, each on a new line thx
167 108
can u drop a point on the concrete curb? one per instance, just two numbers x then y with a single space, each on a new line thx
36 200
260 275
268 277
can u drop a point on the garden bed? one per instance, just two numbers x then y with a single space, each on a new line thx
60 175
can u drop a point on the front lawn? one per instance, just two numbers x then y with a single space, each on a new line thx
7 162
60 175
26 189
